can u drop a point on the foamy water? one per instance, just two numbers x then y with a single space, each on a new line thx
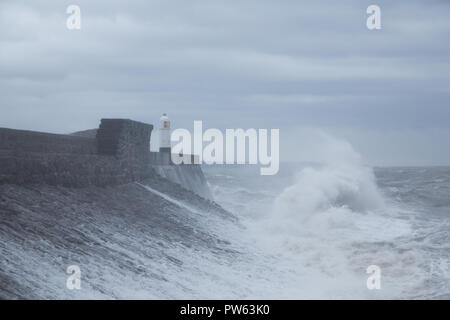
320 227
311 231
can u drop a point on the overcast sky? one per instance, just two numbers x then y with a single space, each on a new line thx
293 65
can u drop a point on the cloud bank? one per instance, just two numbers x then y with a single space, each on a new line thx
252 63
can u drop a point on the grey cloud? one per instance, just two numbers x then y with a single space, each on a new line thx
283 64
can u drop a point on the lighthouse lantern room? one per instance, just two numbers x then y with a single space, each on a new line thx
164 133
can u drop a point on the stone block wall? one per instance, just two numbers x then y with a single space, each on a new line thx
128 141
119 154
69 170
31 141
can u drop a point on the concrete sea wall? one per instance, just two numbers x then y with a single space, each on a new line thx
118 154
190 177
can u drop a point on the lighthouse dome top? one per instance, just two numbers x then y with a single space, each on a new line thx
164 122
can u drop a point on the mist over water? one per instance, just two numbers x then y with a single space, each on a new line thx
325 222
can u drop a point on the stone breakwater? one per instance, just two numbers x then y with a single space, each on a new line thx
127 241
133 223
118 152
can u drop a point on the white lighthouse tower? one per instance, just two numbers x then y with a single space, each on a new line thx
164 133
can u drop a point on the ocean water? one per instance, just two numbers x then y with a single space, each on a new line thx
315 229
309 232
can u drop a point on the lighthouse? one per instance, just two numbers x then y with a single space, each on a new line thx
164 133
